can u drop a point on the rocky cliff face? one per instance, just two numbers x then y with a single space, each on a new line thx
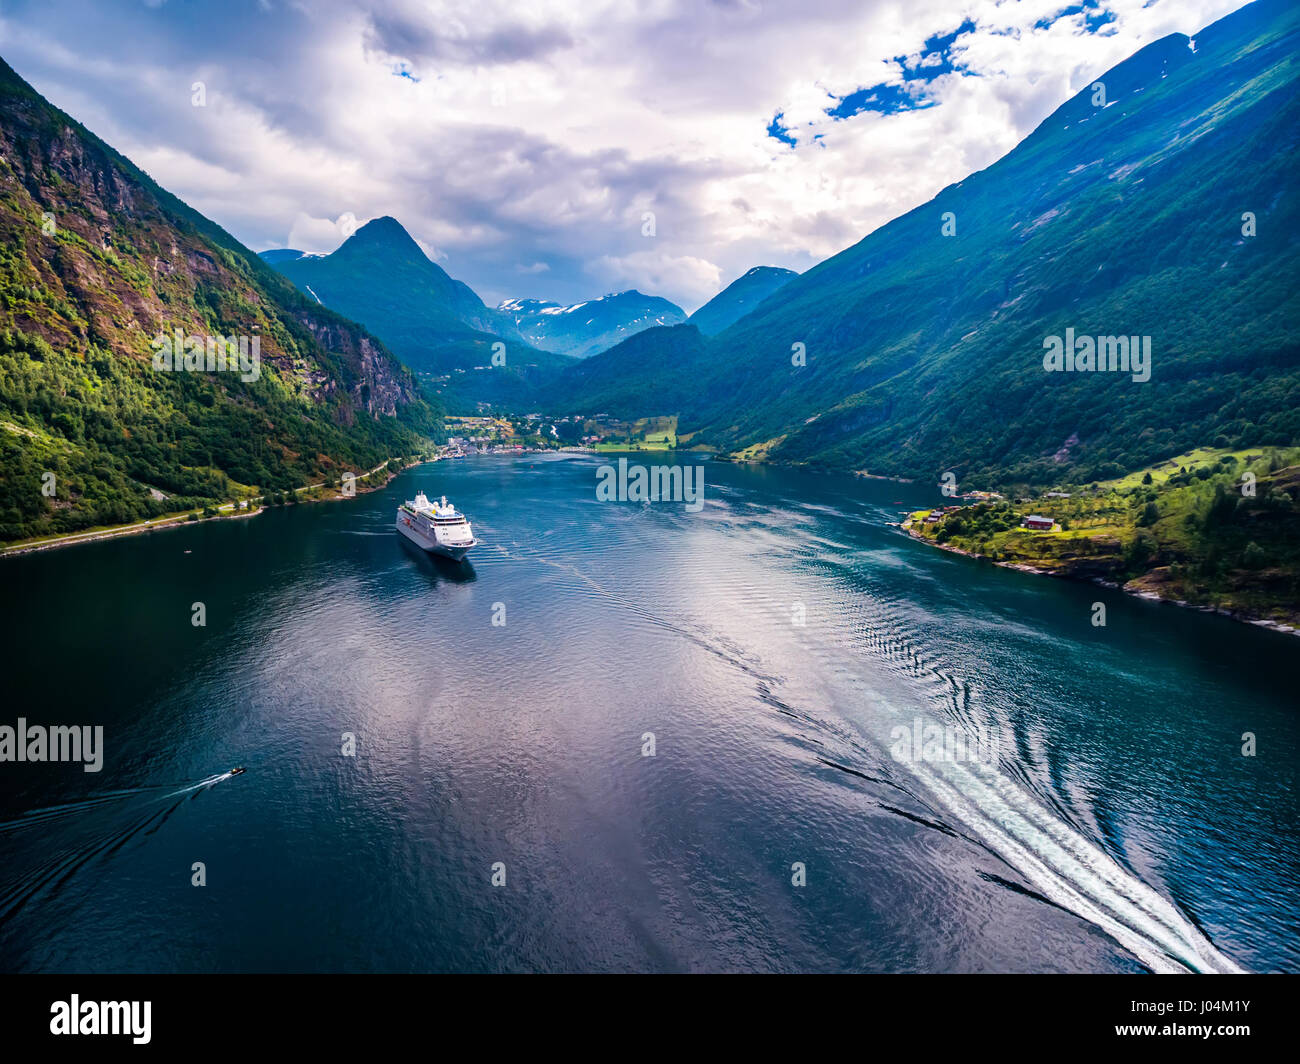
96 262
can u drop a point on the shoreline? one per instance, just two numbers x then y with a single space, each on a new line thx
877 476
158 524
1149 596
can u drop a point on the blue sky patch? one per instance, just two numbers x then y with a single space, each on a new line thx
1094 15
933 61
884 98
778 131
935 57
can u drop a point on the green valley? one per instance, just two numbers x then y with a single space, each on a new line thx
1212 528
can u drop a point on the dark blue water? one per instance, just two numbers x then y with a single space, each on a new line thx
1120 828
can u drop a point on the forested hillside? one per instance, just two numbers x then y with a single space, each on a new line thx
1164 206
96 262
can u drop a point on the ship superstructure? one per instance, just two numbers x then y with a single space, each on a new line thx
436 527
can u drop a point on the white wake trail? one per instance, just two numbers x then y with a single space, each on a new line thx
1070 870
208 782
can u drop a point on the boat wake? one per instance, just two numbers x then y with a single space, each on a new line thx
1069 870
87 829
992 802
995 806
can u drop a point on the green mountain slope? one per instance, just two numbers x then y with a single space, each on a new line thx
381 276
96 261
435 324
739 298
608 383
925 351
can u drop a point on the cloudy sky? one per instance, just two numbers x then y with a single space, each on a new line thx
524 143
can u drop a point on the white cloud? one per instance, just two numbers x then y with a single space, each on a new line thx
658 272
540 133
318 235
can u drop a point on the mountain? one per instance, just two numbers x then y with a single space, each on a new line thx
1169 210
740 298
280 255
96 263
439 327
601 384
435 324
381 276
595 325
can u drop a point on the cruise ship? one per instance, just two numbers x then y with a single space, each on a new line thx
436 527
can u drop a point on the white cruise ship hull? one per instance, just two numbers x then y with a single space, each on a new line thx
436 528
428 544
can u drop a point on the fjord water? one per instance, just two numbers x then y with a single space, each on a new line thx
770 643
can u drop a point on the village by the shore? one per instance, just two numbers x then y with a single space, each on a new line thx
1037 523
